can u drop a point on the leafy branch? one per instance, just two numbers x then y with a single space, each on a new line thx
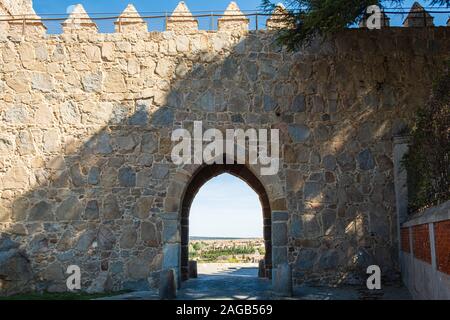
312 18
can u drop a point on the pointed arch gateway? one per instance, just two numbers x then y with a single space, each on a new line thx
203 175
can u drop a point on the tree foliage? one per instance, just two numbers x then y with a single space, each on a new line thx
428 159
324 17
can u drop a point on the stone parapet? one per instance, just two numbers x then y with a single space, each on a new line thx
22 20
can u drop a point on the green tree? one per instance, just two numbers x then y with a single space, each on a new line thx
310 18
428 159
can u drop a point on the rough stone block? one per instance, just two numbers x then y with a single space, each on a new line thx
299 133
171 254
279 255
170 231
280 216
279 234
149 234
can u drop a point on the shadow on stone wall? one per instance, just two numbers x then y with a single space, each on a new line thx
97 200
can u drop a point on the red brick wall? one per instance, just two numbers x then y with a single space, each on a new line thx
405 240
442 243
421 243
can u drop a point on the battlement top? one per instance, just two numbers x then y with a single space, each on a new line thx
19 17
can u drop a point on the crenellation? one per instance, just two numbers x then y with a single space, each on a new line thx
79 21
276 21
233 19
19 17
418 17
181 19
130 21
29 25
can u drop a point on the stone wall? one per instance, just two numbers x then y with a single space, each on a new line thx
86 119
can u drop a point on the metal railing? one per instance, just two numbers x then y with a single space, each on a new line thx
212 16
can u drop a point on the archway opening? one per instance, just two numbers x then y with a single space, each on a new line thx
226 227
225 207
202 204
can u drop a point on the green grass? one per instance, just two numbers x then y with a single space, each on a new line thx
60 296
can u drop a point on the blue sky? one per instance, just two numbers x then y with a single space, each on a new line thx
226 207
150 7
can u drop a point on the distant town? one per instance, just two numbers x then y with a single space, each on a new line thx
226 250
